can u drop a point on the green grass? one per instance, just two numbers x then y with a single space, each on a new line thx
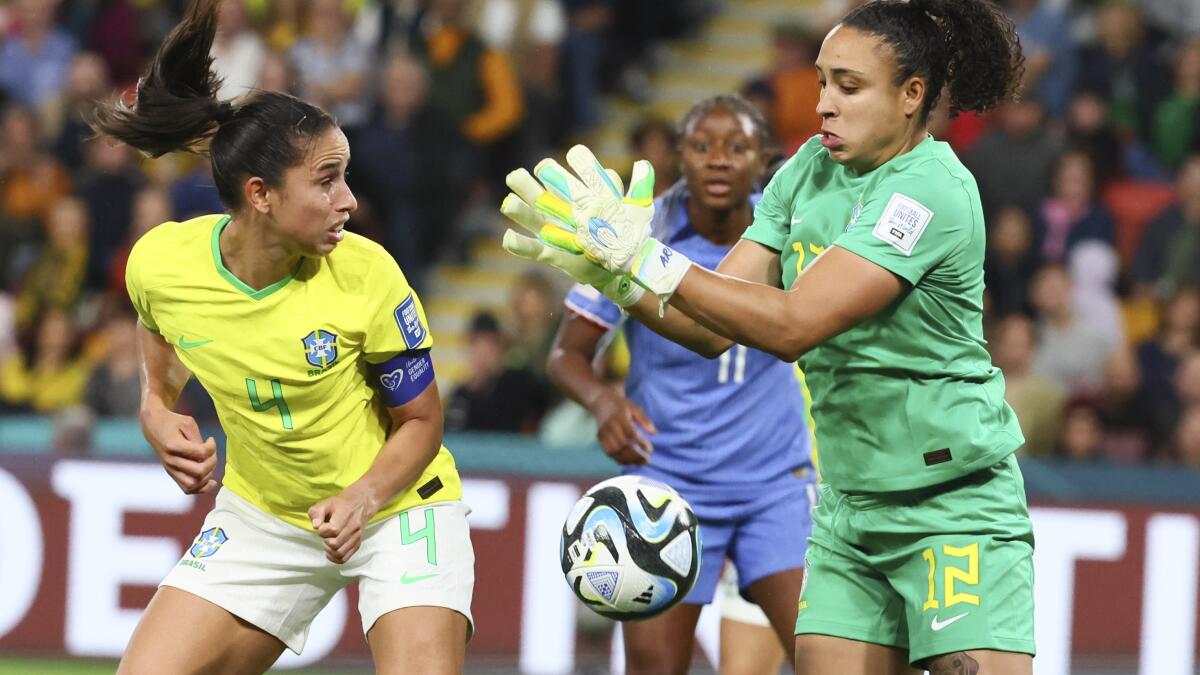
22 666
15 666
19 665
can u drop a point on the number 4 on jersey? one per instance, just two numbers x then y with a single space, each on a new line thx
276 400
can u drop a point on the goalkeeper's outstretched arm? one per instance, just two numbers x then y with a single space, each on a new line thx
748 261
833 294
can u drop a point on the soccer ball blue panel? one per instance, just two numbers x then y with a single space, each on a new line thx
631 548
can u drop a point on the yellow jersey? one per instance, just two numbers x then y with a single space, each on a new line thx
287 366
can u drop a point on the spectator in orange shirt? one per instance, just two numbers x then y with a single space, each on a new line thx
476 86
30 180
791 86
472 86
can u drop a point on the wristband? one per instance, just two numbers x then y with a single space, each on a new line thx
659 269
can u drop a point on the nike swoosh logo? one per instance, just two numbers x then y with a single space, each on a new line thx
938 625
796 221
653 513
405 579
186 344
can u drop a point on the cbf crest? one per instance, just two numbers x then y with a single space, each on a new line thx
854 216
208 542
320 348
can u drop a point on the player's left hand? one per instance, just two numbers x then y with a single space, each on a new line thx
610 228
622 429
339 520
548 218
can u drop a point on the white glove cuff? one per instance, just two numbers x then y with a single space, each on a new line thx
659 269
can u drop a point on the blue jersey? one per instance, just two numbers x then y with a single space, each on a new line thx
735 421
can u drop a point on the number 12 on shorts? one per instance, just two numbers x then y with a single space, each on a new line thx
952 574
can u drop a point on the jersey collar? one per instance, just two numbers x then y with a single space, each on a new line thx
236 282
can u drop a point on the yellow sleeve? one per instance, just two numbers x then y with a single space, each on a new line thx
504 104
14 380
397 322
135 287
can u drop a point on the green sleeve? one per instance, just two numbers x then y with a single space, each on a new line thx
773 215
909 226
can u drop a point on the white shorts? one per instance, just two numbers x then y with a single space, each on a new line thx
275 576
733 606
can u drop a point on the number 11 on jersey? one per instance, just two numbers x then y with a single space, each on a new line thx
735 356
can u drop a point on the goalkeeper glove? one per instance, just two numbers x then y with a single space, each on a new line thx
554 245
612 229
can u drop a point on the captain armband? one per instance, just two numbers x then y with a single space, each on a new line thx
403 377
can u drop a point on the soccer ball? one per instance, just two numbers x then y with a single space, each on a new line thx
631 548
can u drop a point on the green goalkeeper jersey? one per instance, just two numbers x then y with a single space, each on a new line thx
908 398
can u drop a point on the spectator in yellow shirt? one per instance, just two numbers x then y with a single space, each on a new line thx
54 376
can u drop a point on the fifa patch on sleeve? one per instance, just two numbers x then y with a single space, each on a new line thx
403 378
408 318
902 223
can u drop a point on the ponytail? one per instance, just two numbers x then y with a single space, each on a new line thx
176 106
968 47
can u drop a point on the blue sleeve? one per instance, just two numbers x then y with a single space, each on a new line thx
590 304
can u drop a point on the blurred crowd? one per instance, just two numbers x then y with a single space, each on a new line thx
1091 189
1090 184
439 98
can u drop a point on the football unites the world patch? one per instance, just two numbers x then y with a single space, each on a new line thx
208 542
320 348
903 222
408 318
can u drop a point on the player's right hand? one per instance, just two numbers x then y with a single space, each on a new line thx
188 459
623 424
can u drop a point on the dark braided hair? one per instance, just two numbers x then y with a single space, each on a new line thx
177 108
968 47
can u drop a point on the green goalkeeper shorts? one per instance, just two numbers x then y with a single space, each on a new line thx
931 571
